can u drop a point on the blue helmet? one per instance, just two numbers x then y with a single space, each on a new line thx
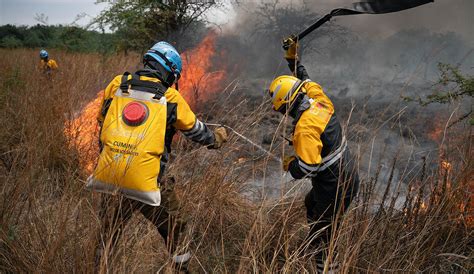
167 56
43 54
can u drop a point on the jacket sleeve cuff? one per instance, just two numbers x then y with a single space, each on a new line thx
295 170
298 169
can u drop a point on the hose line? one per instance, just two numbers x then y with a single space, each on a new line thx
246 139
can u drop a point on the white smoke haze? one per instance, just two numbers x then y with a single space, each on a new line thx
367 62
392 46
439 16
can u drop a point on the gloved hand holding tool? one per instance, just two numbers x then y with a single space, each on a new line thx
290 45
220 134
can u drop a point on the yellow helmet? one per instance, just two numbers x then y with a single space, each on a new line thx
283 91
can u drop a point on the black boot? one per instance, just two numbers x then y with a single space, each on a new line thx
181 263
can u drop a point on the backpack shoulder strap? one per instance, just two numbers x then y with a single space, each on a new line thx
124 83
160 92
156 88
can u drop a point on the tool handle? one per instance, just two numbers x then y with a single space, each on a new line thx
246 139
314 26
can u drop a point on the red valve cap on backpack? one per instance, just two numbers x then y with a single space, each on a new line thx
134 113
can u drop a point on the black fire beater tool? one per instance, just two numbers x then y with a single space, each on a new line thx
365 7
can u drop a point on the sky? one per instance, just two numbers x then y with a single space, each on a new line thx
443 15
23 12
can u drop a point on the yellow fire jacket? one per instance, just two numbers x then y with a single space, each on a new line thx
317 136
312 124
49 65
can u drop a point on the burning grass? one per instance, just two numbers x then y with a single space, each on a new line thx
48 221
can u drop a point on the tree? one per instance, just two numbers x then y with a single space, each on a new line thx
11 42
263 25
140 23
75 39
452 85
13 31
278 19
33 40
455 85
70 38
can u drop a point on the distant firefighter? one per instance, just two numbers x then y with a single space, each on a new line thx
320 153
139 116
47 65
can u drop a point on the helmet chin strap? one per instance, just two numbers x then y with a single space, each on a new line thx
299 105
168 78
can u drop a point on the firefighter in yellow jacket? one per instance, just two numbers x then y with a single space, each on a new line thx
139 116
47 65
320 152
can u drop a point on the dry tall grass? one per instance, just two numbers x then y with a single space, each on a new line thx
48 221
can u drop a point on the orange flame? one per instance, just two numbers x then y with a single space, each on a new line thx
436 133
468 206
446 165
199 78
436 127
83 133
198 82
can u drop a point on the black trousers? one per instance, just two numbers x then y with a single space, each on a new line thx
332 193
116 211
